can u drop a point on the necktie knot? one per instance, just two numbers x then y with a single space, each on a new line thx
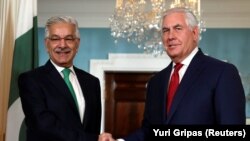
177 67
66 72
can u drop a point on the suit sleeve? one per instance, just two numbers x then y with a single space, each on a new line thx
230 98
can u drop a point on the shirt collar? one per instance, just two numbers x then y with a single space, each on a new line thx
189 58
59 69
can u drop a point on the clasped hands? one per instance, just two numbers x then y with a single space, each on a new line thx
106 137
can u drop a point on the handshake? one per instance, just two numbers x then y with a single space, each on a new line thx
107 137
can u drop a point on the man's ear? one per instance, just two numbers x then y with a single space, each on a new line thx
196 33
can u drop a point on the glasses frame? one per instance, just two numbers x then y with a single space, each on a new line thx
69 39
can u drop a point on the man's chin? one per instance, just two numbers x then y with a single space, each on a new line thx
63 63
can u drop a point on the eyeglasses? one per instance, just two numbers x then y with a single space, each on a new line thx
68 39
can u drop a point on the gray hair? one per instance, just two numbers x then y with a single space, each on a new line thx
191 19
61 19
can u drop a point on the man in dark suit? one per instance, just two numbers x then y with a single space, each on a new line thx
210 91
56 109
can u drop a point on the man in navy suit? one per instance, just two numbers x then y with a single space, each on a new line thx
52 111
210 91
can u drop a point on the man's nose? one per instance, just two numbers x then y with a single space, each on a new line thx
171 34
62 42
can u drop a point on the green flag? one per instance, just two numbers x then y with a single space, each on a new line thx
25 58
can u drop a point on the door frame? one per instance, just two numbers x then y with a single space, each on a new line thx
125 63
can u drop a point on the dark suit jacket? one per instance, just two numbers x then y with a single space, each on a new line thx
49 108
210 93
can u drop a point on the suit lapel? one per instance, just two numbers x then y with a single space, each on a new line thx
192 73
82 81
83 78
56 79
164 89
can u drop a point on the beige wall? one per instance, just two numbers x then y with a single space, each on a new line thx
95 13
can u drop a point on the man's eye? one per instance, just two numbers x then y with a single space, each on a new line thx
178 28
69 39
165 30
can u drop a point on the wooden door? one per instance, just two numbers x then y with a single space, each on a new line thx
124 101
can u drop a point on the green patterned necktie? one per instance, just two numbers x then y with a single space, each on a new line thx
66 73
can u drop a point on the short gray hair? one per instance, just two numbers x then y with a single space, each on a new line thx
61 19
191 19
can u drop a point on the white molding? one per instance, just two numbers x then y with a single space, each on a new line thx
127 63
248 121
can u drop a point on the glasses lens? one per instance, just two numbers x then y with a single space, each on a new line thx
68 39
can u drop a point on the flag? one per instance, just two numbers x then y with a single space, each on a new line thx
25 58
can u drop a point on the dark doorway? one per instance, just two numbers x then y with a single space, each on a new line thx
125 94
